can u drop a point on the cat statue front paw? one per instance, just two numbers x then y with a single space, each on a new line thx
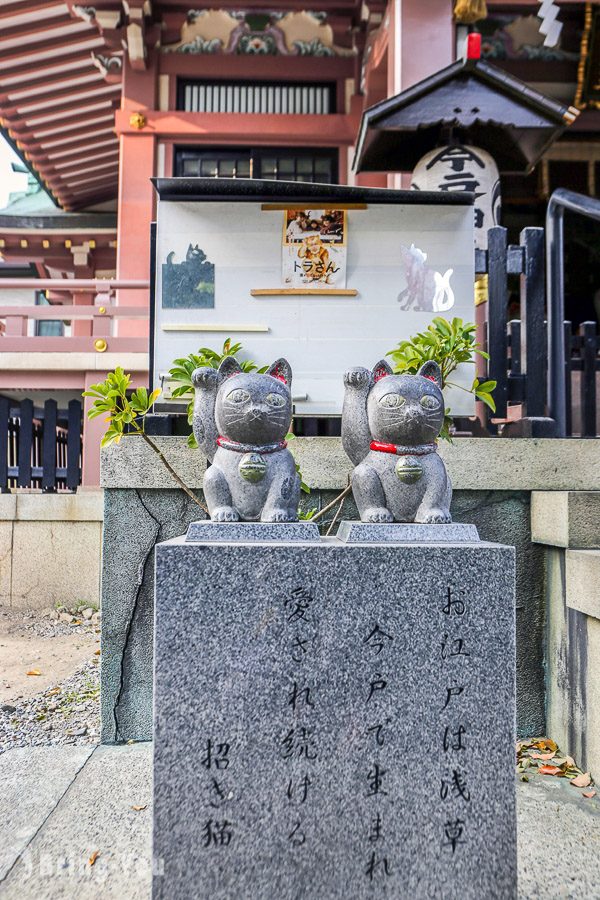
277 515
377 515
357 377
225 514
437 517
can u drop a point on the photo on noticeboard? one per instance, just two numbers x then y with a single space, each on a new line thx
189 284
314 247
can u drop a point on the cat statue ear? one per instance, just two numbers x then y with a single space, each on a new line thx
282 370
229 366
432 371
381 370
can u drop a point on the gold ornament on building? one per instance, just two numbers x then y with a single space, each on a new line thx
481 289
100 345
137 120
466 12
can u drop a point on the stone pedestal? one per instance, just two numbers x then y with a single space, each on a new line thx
334 720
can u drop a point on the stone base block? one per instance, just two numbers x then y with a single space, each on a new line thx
334 721
401 533
242 532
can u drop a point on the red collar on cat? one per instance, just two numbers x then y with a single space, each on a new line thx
403 450
228 444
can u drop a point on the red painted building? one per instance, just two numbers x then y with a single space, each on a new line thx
99 98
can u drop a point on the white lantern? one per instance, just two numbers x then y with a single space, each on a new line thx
463 168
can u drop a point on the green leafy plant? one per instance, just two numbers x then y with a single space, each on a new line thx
125 411
449 344
182 369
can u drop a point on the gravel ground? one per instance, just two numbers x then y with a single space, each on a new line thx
67 712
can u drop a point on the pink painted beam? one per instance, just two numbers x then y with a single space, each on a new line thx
288 130
70 344
68 311
75 148
26 88
51 101
100 285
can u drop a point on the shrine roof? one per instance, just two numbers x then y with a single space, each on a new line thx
59 84
470 102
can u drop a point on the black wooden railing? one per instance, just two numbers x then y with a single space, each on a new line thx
519 348
40 448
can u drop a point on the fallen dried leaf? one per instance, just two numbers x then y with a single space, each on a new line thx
96 653
550 770
535 755
546 744
131 741
53 692
559 762
570 761
139 808
94 857
34 672
582 780
588 794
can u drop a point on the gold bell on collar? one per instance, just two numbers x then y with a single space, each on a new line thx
409 469
252 467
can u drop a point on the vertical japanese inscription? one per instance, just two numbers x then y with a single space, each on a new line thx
217 831
299 744
375 645
454 789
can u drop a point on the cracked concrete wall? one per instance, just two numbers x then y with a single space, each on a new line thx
136 519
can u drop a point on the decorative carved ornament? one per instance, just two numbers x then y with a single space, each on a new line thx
257 34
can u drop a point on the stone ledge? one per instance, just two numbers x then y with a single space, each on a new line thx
566 518
582 572
487 464
84 506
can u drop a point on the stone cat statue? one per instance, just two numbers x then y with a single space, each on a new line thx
389 428
240 421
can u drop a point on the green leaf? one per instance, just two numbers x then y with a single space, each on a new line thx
487 399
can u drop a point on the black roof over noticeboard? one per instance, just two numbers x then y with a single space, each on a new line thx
255 190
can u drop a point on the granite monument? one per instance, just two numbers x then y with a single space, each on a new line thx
334 719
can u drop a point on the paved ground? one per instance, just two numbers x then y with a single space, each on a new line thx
61 805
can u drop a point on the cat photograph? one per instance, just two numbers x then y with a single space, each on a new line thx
240 421
390 425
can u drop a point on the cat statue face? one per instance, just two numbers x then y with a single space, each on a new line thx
406 409
252 408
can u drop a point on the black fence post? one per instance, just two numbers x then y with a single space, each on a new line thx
568 345
4 438
25 443
587 331
49 447
497 317
74 445
533 295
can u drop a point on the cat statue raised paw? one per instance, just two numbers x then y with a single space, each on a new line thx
240 421
390 425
